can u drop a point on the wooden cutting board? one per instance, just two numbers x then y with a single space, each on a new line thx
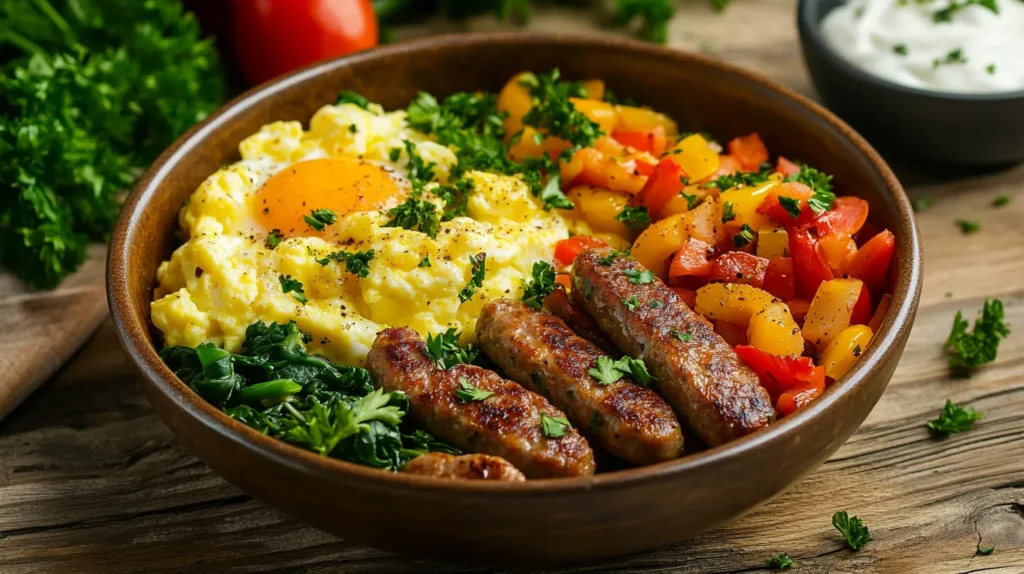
40 330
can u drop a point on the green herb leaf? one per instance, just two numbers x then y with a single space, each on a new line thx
639 277
445 351
293 286
953 419
923 203
478 264
605 371
682 336
727 212
455 198
552 112
319 218
274 238
631 303
742 179
990 69
853 530
744 237
966 351
691 199
425 262
356 262
900 50
986 550
946 14
635 368
968 227
468 393
655 304
349 97
654 16
554 427
612 256
1001 201
552 195
415 215
780 561
953 57
540 286
821 184
635 217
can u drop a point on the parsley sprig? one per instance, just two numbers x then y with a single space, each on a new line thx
638 277
968 350
540 285
554 427
852 528
635 217
478 264
294 287
356 262
445 351
953 419
608 371
552 112
469 393
780 561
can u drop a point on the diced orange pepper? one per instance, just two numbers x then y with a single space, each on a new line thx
595 89
591 167
786 168
652 141
749 150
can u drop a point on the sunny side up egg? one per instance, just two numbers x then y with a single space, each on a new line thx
225 276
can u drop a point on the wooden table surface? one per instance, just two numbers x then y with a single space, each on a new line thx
92 481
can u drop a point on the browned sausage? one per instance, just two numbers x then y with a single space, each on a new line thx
701 377
508 423
559 305
465 467
540 352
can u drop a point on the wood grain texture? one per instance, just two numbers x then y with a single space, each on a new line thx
92 481
40 330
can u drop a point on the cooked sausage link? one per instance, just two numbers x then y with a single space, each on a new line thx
701 377
464 467
558 304
539 351
507 423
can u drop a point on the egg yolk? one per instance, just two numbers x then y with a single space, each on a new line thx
339 184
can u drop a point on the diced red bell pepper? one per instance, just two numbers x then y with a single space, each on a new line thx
780 278
588 166
749 150
652 141
739 267
731 332
664 184
779 374
772 207
566 250
811 267
786 168
798 308
689 296
871 263
846 217
692 260
727 165
861 313
791 401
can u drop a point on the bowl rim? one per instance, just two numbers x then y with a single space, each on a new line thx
809 28
133 330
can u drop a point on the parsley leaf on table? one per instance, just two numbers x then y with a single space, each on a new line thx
540 286
954 419
780 561
852 528
966 351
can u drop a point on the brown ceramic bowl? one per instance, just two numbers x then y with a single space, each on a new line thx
541 521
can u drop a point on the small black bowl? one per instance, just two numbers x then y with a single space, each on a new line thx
961 129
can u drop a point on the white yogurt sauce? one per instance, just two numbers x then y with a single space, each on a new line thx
976 51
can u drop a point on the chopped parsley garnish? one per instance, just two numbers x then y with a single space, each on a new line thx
352 128
455 198
639 277
445 351
691 199
853 529
682 336
320 218
821 184
293 286
634 217
953 419
420 171
415 214
552 112
655 304
946 14
540 285
986 550
476 280
425 262
1001 201
780 561
605 371
953 57
923 203
348 97
741 178
274 238
395 153
968 226
791 205
632 303
552 195
727 213
991 69
612 255
900 49
468 393
966 351
744 237
554 427
356 262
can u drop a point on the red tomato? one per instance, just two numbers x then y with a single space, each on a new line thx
273 37
780 278
786 167
871 264
749 150
664 184
846 217
739 267
861 314
811 268
651 141
566 250
691 261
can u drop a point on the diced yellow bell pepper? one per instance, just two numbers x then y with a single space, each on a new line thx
695 156
845 349
595 89
746 199
680 204
601 113
830 310
633 119
658 242
772 241
599 208
704 222
770 326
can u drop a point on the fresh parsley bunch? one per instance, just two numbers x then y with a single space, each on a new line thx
91 91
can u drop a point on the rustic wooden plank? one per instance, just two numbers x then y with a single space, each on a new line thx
92 481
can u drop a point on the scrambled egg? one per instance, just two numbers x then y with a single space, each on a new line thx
353 161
